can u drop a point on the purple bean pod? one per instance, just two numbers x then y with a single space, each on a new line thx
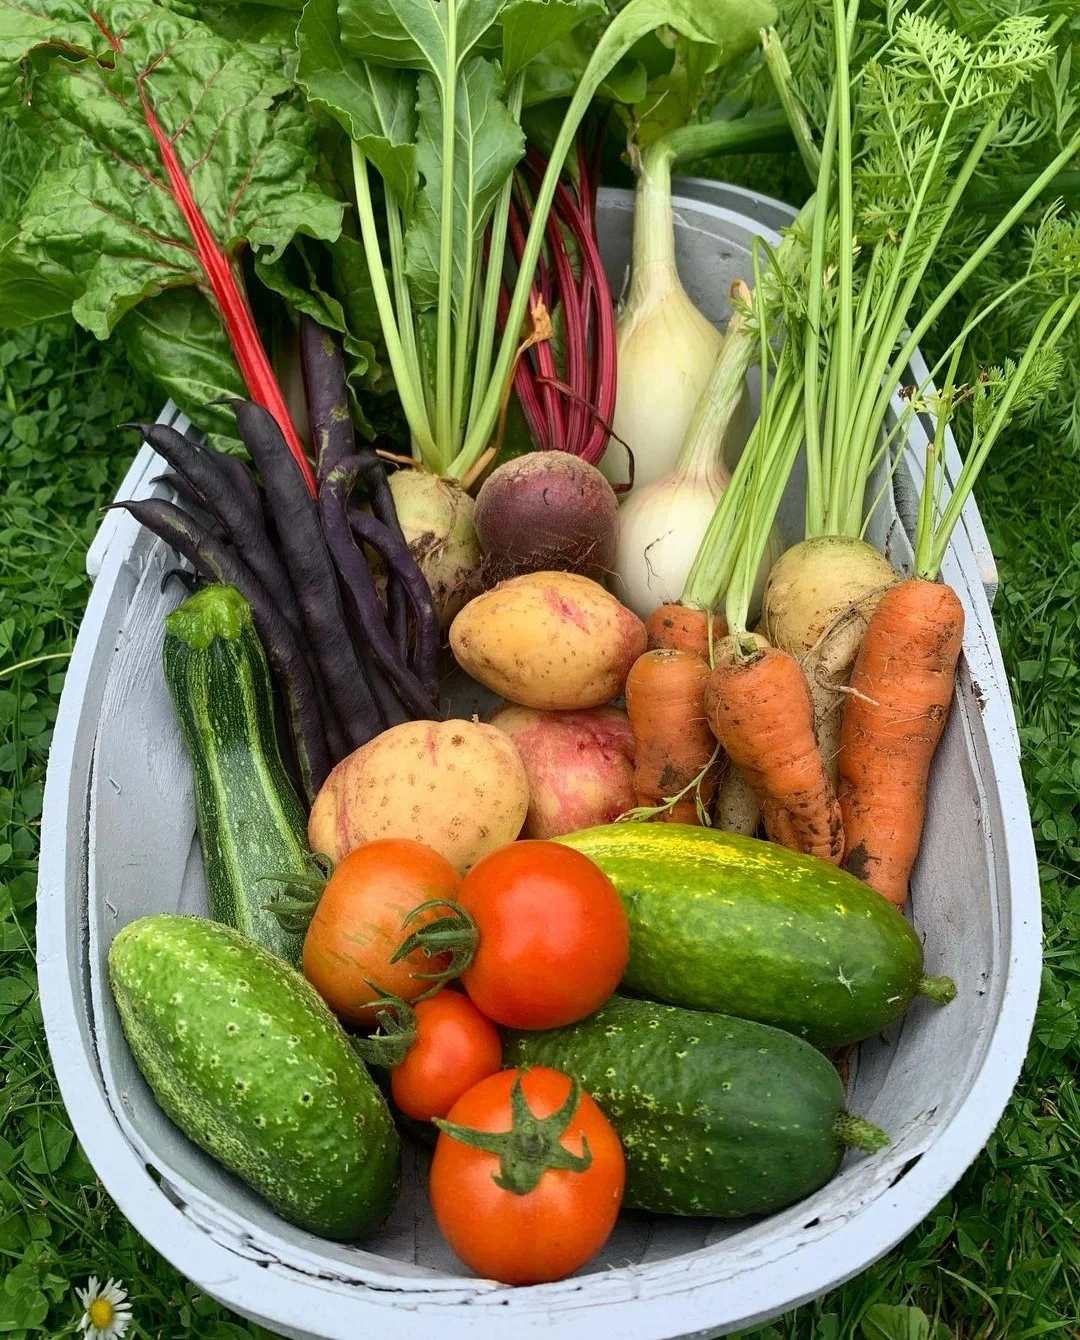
307 559
213 559
356 575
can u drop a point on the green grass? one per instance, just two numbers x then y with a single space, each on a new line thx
997 1260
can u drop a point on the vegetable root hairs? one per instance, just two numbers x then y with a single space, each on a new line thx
758 704
904 681
828 665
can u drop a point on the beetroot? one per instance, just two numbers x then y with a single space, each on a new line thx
547 511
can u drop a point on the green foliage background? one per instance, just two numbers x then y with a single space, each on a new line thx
998 1259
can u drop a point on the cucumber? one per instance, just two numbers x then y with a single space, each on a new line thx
717 1116
727 923
251 823
244 1056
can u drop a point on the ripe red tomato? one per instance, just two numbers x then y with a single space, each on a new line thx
559 1217
455 1048
357 925
554 938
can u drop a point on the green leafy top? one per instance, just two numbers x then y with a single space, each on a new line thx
1004 394
105 210
916 105
431 94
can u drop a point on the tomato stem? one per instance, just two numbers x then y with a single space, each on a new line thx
456 934
397 1019
295 913
531 1146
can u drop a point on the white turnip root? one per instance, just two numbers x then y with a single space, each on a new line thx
580 766
817 603
546 511
436 518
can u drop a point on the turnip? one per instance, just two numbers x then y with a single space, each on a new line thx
547 511
817 603
580 766
436 519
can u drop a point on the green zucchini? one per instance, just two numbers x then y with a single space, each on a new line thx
727 923
717 1116
243 1054
251 823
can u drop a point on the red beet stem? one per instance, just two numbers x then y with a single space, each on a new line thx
588 318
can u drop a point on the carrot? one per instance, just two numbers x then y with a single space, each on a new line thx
903 687
680 628
759 707
674 746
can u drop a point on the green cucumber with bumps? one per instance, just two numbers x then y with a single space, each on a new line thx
718 1116
728 923
244 1056
251 824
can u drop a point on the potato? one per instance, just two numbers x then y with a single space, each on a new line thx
458 786
580 766
552 640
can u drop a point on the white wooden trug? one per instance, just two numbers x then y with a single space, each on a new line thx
118 842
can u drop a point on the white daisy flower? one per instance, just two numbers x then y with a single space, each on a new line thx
106 1311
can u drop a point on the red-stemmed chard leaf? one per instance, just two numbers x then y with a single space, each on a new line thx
176 149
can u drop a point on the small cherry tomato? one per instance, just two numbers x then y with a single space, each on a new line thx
357 926
553 938
455 1048
527 1177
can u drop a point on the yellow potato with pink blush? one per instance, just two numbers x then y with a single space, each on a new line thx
458 786
551 640
580 766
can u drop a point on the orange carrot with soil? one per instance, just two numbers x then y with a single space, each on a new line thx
675 751
757 701
759 708
682 629
903 681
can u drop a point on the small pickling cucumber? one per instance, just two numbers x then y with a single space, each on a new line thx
728 923
717 1116
242 1053
251 823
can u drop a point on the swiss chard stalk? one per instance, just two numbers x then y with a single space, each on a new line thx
439 123
148 194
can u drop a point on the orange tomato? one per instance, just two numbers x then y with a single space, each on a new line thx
455 1048
559 1217
357 926
553 935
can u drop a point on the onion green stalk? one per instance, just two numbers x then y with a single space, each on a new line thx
663 339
